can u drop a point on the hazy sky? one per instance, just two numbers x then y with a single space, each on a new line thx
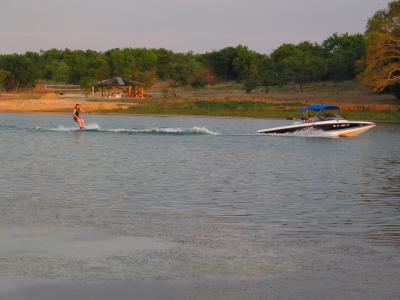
180 25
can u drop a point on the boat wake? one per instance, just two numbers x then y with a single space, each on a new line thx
196 130
89 127
309 132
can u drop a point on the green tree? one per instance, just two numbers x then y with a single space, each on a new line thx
269 74
251 79
85 66
201 76
245 63
22 73
342 54
129 62
221 63
60 71
197 75
146 77
298 64
231 63
177 75
165 59
3 78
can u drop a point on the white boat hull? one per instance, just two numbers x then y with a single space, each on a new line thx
330 128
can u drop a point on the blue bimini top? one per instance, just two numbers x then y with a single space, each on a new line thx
319 107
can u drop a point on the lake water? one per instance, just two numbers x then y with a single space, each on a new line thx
195 208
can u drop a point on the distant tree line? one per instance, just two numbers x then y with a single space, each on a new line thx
373 58
335 59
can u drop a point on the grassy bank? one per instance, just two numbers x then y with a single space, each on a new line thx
254 109
212 108
229 99
379 116
331 92
223 99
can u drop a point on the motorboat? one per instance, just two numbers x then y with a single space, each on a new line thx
326 120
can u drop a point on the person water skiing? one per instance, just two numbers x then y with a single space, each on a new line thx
76 117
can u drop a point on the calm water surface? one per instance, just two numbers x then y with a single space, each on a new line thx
195 208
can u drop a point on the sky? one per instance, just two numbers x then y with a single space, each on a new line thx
178 25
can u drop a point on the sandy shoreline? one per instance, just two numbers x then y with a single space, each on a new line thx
53 105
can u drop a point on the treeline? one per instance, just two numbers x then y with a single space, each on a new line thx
335 59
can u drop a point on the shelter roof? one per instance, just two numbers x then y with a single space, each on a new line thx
117 81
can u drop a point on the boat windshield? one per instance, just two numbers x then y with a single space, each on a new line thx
322 116
339 117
